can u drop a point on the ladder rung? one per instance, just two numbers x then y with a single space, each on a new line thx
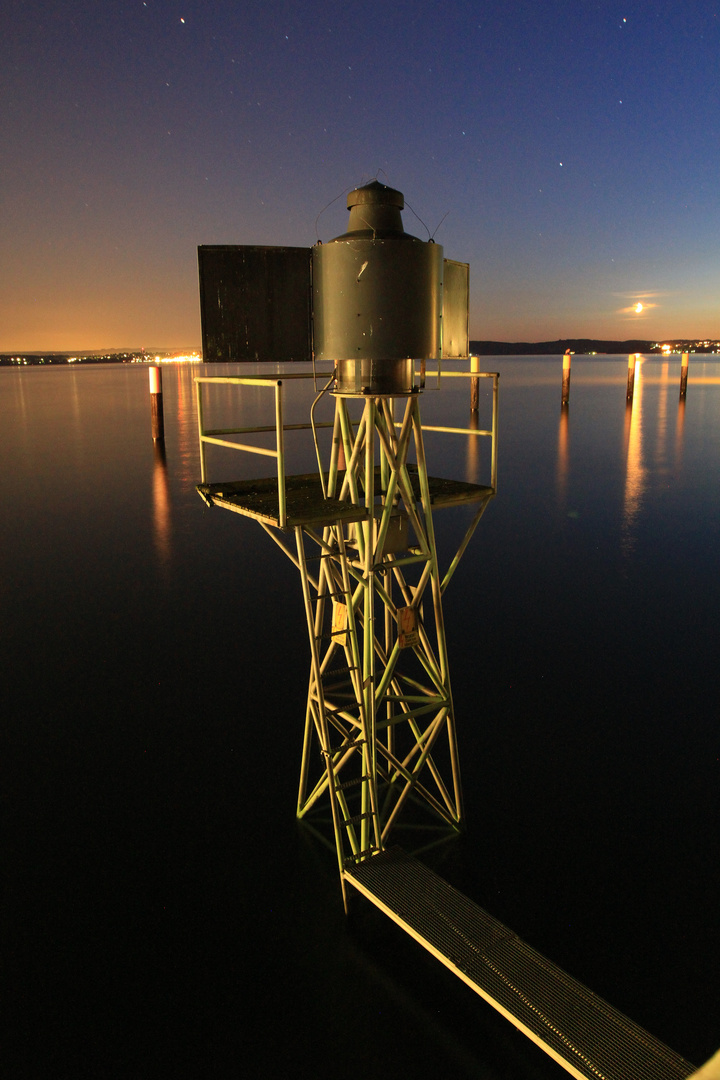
361 855
343 747
359 817
351 783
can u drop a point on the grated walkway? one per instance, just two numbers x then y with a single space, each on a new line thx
585 1034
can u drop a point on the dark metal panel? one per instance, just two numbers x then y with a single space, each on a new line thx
255 303
456 306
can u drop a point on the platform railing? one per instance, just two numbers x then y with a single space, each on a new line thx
492 432
213 435
218 436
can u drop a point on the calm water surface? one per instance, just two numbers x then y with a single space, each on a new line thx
164 914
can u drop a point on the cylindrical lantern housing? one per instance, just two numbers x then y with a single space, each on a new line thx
377 297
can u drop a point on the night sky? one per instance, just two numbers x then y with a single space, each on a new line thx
569 151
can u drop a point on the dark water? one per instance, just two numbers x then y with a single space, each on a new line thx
163 912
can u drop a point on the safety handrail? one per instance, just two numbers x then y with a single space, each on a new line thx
213 435
491 432
210 435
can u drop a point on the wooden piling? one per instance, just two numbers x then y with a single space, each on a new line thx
684 374
474 385
156 403
566 378
632 365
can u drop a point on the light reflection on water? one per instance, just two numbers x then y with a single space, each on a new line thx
75 422
635 473
651 450
154 714
563 458
161 506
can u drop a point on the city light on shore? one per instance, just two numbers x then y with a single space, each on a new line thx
183 358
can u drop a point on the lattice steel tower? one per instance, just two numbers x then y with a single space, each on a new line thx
380 732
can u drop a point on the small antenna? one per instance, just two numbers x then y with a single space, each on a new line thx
419 219
439 224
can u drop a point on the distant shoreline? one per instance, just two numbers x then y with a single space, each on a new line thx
578 346
588 346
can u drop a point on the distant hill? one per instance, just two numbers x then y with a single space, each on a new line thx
555 348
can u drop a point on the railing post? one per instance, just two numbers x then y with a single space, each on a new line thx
201 429
282 510
495 411
474 385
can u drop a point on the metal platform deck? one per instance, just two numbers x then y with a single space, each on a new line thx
306 504
449 492
583 1033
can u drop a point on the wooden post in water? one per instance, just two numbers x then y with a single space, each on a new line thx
566 378
156 403
474 385
684 374
632 364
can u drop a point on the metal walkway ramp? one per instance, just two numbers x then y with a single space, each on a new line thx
583 1033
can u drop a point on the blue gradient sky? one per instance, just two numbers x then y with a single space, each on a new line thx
574 146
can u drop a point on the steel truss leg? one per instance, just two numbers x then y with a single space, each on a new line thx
379 706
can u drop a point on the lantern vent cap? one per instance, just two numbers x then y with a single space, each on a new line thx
375 214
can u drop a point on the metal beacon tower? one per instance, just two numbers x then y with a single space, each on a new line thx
380 741
380 745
